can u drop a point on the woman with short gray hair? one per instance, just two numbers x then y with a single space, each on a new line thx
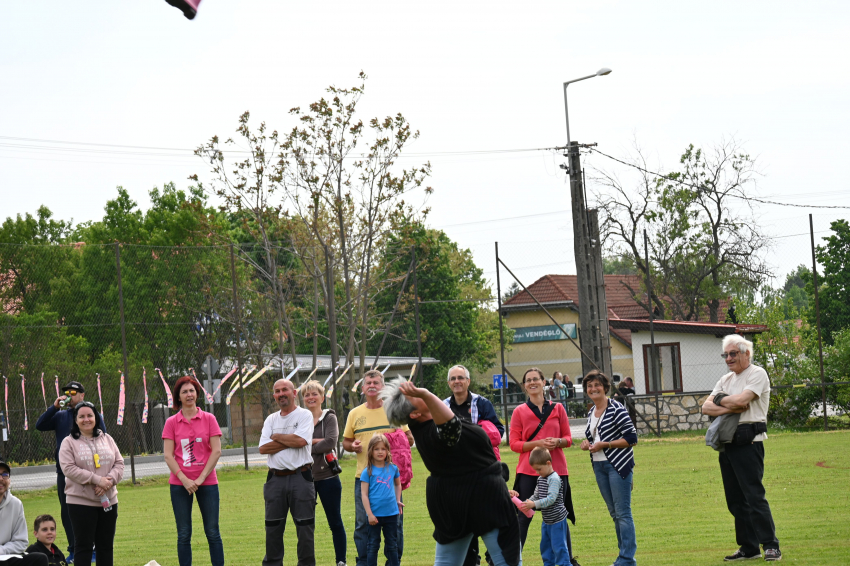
466 495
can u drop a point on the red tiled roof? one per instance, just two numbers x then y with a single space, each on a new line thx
563 288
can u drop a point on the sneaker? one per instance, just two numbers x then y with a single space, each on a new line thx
70 558
772 554
739 555
341 563
94 556
574 561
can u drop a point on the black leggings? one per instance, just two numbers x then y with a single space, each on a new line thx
525 485
93 527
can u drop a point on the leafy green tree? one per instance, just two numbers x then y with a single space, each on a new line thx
834 281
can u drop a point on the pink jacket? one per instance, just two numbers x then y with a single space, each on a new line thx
400 451
495 437
76 458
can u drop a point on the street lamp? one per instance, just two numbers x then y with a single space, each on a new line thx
600 73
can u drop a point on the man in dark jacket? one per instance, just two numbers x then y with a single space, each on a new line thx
59 417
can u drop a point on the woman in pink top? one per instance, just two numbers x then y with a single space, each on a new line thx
527 434
192 447
93 466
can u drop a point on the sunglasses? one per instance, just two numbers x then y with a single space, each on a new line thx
71 392
732 355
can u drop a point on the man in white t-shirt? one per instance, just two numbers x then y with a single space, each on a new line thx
287 438
742 461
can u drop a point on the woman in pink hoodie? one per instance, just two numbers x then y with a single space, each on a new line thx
93 466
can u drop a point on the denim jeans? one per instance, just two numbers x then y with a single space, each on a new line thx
453 554
389 526
555 544
361 528
181 502
617 493
329 492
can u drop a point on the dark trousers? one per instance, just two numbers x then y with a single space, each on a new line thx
742 468
181 503
389 526
525 486
330 494
93 526
28 560
63 505
293 494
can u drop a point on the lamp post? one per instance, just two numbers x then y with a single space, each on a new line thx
592 304
600 73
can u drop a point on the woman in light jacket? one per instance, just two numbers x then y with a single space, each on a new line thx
325 479
93 466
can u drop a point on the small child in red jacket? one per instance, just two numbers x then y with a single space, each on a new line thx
45 534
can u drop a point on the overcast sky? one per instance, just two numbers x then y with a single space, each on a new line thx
470 76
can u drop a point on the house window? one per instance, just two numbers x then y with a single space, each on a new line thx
667 374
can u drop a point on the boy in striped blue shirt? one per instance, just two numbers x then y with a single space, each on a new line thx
555 547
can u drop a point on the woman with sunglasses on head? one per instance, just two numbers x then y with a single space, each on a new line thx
93 467
191 444
541 423
610 436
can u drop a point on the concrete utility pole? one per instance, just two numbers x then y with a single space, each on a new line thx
592 305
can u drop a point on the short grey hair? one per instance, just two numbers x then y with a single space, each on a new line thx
396 405
744 345
465 371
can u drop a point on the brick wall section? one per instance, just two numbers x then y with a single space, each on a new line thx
678 412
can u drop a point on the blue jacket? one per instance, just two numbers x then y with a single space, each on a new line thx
60 420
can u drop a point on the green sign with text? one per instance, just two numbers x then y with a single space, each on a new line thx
542 333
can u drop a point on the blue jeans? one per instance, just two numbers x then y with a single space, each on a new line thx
330 493
555 544
361 528
453 554
617 493
181 502
389 525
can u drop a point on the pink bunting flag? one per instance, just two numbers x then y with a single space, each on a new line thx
99 395
121 401
56 381
43 394
167 390
208 396
24 391
220 383
145 383
6 380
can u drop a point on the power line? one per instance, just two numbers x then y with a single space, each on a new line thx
754 199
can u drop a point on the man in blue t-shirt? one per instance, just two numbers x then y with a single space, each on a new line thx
59 417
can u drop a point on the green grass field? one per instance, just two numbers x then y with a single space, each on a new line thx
678 505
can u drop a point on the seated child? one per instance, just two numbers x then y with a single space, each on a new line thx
45 534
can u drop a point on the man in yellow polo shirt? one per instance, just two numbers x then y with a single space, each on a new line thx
364 421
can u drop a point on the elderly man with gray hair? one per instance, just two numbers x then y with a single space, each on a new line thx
747 392
465 494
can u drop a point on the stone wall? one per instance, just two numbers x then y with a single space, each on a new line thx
678 412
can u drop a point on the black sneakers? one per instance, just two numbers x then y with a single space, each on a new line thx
739 555
772 554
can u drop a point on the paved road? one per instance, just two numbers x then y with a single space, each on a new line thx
42 477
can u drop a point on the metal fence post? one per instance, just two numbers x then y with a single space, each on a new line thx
416 316
817 312
239 363
501 340
657 417
124 352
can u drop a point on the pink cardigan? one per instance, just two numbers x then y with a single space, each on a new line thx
76 458
524 423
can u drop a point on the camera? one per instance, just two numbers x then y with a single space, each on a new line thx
333 463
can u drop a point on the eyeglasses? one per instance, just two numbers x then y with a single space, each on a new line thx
732 355
457 378
5 475
533 379
71 392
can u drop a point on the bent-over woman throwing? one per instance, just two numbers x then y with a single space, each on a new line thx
610 436
192 446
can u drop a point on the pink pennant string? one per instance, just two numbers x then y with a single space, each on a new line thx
145 383
43 394
56 381
24 391
167 390
231 372
208 396
99 395
121 401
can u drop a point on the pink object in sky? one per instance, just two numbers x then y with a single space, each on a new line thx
528 512
188 7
